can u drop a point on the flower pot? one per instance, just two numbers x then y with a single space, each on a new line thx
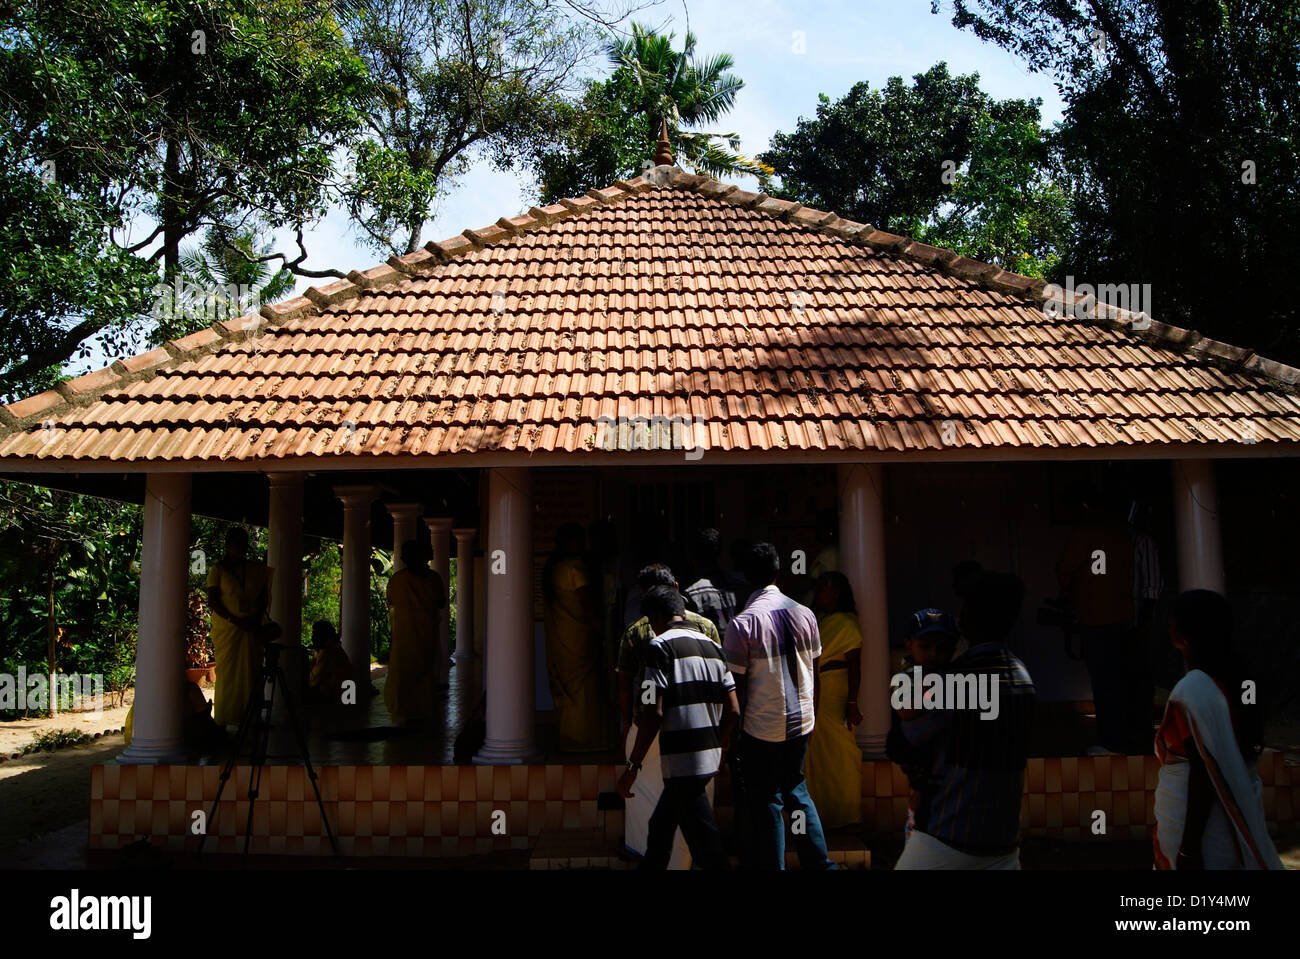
200 673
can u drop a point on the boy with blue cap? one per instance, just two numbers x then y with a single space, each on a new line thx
932 643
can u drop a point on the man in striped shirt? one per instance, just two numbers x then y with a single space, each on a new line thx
632 650
706 595
694 711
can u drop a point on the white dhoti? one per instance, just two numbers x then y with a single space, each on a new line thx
923 851
645 796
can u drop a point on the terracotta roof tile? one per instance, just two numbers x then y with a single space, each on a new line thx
775 326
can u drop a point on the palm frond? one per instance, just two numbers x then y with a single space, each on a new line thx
715 100
705 153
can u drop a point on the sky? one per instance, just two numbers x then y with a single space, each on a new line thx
842 43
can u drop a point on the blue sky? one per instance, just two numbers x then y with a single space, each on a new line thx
844 42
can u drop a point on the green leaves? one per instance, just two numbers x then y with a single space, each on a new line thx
227 275
599 139
143 132
938 160
387 186
450 81
1009 204
87 544
671 85
1180 136
611 131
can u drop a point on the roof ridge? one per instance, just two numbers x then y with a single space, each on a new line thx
991 276
313 301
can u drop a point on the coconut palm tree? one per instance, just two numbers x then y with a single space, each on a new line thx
680 91
227 274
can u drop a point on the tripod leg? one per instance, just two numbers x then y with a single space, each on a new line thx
258 759
245 724
306 756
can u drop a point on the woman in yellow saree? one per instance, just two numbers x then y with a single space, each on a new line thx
833 769
415 595
239 591
573 646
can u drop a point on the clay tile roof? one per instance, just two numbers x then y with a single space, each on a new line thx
774 327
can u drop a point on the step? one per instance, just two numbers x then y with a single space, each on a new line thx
579 849
590 849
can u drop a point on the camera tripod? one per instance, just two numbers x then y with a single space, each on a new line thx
257 722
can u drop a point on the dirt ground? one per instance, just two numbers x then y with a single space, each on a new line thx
18 733
43 792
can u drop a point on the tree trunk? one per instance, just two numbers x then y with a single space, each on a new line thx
52 629
171 212
656 124
414 227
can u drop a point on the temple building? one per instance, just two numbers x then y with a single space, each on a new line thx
668 353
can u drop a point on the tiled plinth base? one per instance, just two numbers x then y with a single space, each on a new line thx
373 810
477 810
1062 795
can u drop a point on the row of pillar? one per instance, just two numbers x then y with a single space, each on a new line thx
354 628
164 574
508 642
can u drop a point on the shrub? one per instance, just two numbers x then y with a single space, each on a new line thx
53 739
198 645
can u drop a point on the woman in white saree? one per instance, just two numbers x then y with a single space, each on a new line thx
1209 808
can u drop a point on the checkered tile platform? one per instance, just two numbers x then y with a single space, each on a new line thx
448 811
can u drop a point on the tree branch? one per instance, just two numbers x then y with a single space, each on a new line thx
59 351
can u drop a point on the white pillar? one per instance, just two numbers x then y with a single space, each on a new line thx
464 592
509 648
158 735
284 554
440 539
484 521
404 528
354 616
1196 514
862 560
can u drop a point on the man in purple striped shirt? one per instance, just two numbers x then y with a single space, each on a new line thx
772 647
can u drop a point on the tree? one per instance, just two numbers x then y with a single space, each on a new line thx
675 88
1181 127
1010 203
135 124
60 282
938 160
611 131
68 562
879 155
454 78
226 275
599 139
71 564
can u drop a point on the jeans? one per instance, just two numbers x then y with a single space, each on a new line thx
773 783
684 805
